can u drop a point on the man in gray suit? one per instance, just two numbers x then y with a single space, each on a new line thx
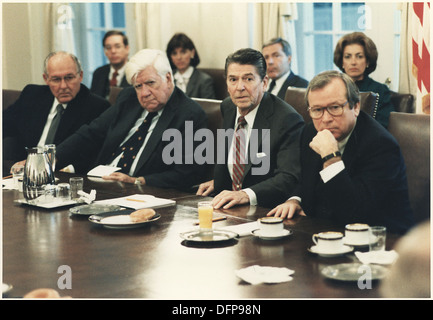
278 56
277 127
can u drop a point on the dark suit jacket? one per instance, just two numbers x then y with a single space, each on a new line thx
107 132
24 121
200 85
371 189
101 84
292 81
284 125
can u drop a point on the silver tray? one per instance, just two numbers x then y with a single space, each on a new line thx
354 272
209 237
94 208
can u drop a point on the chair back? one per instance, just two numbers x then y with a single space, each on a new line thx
9 97
412 132
403 102
114 92
219 82
295 97
214 118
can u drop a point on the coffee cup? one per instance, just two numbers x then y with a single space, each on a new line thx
356 233
329 241
271 226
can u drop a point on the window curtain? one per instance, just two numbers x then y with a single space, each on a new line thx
148 34
415 54
273 20
60 17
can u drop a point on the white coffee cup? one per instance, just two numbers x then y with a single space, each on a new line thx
271 226
329 241
357 233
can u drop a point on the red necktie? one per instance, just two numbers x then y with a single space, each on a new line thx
113 81
239 154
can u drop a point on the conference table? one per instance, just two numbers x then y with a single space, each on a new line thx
42 246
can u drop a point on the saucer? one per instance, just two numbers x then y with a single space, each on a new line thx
283 234
355 244
344 249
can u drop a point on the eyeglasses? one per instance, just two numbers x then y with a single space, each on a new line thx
68 79
336 111
116 46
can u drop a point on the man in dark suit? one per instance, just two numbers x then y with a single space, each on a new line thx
113 134
272 126
278 55
34 120
352 169
116 49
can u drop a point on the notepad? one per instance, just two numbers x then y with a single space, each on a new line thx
139 201
102 170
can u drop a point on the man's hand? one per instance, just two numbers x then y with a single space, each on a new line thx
205 188
118 176
288 210
324 143
227 199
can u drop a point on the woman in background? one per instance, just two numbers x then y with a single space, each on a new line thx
184 59
356 55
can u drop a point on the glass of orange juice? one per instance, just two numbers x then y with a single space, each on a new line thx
205 213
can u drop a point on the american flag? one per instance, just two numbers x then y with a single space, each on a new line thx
421 54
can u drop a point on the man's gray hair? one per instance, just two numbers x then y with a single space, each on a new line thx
145 58
324 78
54 53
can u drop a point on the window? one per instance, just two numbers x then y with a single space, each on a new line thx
92 21
318 29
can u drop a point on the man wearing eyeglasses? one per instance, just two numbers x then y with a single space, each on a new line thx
352 169
116 49
48 114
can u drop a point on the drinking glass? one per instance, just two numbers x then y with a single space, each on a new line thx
377 238
205 214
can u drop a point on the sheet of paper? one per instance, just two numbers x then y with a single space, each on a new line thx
102 170
243 229
139 201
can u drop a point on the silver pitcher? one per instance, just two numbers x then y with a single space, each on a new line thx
38 173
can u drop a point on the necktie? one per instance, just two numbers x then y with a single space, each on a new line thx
133 144
239 154
54 124
271 86
113 81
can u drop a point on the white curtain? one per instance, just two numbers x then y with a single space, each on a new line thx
273 20
60 16
410 74
148 30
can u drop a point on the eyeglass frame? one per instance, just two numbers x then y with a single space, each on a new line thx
68 78
322 109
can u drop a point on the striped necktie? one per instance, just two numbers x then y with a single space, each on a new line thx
113 81
239 154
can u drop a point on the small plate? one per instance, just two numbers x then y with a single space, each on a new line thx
354 272
119 220
284 234
214 236
89 209
344 250
6 288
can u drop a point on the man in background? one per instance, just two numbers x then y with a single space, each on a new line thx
116 50
48 114
278 56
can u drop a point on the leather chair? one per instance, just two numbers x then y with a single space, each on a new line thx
114 92
219 81
213 112
9 97
295 97
412 132
403 102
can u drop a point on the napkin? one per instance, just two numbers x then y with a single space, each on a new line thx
378 257
258 274
87 197
243 229
9 184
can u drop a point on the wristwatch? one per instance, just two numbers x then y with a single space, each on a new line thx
332 155
138 181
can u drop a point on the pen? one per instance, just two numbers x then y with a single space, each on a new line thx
137 200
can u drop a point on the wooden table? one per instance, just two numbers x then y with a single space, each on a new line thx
154 261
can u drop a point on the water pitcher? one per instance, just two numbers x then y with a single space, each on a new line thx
38 173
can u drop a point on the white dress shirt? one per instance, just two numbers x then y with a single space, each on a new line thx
120 74
279 83
50 118
183 79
